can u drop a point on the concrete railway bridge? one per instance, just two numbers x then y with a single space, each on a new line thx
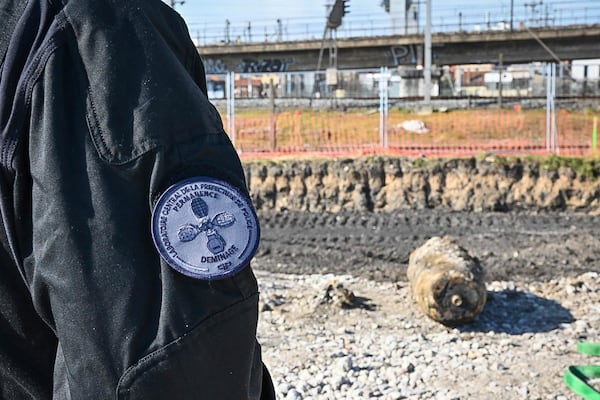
525 45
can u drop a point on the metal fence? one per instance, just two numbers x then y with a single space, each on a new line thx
334 123
578 79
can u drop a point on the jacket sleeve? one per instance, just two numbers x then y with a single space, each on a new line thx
117 117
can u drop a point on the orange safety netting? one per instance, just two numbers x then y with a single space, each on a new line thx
462 132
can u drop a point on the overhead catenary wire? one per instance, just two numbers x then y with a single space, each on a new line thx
478 17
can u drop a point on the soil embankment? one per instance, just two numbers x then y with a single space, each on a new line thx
377 184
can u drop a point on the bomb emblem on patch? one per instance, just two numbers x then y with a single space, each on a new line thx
205 228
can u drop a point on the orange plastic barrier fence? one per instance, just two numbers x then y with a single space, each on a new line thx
463 132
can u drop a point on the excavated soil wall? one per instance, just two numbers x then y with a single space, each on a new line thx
387 184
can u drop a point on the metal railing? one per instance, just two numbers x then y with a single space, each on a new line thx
447 19
519 81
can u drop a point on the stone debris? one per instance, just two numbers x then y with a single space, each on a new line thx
413 126
517 348
270 302
339 296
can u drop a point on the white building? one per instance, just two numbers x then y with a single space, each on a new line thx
585 70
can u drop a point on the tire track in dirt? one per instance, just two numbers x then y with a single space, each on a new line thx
526 247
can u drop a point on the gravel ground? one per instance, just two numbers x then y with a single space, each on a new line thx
544 297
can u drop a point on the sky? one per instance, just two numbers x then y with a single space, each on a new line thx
239 10
208 22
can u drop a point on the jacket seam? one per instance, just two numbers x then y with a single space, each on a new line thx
32 75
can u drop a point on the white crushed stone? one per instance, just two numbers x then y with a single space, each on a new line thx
518 348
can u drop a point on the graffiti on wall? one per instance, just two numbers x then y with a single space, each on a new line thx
218 66
404 55
264 65
213 66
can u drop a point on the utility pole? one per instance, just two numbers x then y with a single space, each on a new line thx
512 13
500 73
533 6
334 20
427 71
279 30
227 26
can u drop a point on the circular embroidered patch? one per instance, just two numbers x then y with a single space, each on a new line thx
205 228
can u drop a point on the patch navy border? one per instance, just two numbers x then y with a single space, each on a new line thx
205 228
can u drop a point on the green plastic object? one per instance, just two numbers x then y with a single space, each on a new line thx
578 377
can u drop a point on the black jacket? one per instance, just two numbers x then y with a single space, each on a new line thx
102 107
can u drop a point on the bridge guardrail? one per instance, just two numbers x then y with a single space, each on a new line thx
448 19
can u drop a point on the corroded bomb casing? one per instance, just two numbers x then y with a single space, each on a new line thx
447 283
